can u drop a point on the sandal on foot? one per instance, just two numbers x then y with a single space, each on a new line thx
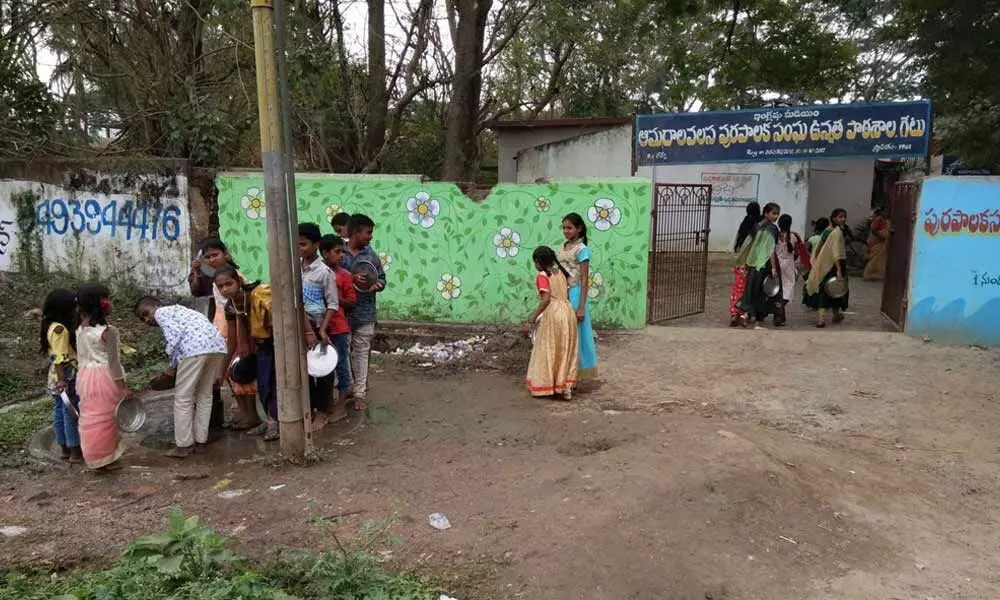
258 430
272 434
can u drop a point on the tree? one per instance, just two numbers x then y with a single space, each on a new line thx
956 42
467 20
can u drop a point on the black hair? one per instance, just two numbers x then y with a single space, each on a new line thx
88 302
311 232
546 258
340 219
785 226
771 207
211 243
747 225
227 271
329 242
577 222
59 307
837 211
358 222
820 225
144 301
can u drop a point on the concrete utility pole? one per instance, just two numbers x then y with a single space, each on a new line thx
282 230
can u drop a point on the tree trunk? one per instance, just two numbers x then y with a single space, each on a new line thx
463 109
378 100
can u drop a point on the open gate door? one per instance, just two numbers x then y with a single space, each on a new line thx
902 219
678 261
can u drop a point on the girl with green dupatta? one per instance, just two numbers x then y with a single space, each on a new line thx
828 261
761 263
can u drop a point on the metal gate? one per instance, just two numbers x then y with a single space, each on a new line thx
902 207
678 258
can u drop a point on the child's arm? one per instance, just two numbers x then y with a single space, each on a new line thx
381 275
60 348
331 299
544 298
584 288
308 331
110 338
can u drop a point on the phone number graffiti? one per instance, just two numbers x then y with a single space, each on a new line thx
142 220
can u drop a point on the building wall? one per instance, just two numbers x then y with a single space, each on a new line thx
116 225
843 184
602 154
512 141
460 245
736 185
954 294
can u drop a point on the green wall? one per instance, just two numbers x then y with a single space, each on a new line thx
461 260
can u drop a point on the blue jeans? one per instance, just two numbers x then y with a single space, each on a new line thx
267 382
342 344
64 420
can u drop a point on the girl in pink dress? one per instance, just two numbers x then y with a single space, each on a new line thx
100 380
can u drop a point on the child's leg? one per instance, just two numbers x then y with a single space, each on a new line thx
361 344
267 387
185 389
342 344
59 424
71 420
204 397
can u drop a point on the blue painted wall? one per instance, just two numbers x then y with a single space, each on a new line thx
955 275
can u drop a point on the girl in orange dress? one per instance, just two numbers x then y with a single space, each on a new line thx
555 355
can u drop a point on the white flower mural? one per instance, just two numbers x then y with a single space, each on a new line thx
333 210
595 285
450 286
604 214
253 203
507 243
386 260
422 209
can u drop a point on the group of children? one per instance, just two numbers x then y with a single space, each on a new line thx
563 350
233 344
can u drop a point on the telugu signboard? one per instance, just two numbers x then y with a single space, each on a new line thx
897 129
730 189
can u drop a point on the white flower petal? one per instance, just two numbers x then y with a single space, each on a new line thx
592 214
411 204
501 252
598 279
604 203
446 294
512 251
440 285
497 239
427 221
254 191
446 277
245 202
456 280
435 207
422 197
505 232
615 217
515 237
455 293
414 217
602 224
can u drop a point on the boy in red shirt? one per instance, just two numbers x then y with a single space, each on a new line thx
331 248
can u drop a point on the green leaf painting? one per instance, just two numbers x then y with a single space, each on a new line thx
450 258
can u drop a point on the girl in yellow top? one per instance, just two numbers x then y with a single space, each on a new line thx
58 343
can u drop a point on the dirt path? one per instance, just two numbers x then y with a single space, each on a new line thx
860 465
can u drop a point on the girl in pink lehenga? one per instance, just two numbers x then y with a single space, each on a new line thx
100 380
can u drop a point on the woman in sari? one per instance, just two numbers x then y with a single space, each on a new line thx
552 370
739 269
790 248
761 263
878 248
828 261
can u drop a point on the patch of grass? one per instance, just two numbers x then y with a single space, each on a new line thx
19 424
189 561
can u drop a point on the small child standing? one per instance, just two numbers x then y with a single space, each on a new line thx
319 299
248 312
331 247
364 315
100 381
196 350
59 344
339 223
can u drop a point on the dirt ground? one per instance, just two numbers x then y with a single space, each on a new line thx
708 463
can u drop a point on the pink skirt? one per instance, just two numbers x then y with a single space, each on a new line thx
99 437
